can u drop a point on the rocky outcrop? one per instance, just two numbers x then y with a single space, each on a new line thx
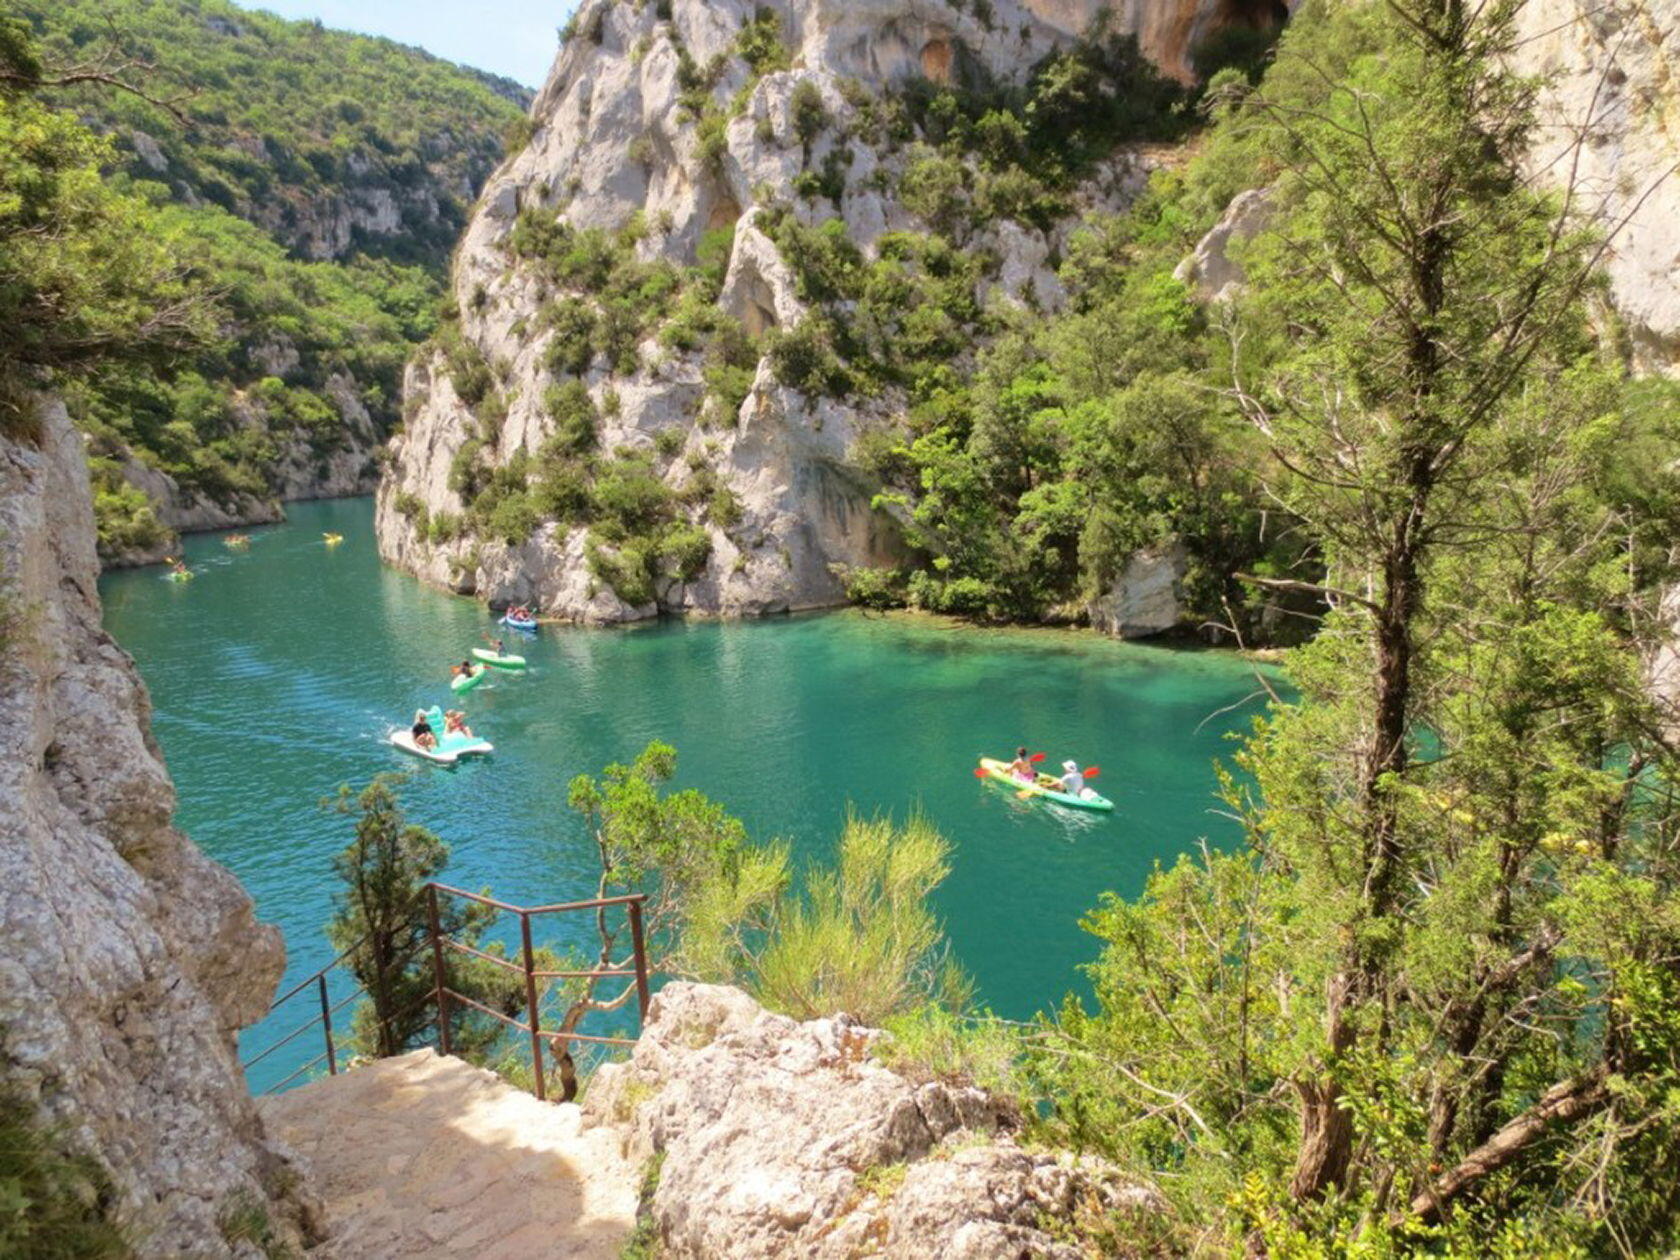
1610 126
616 144
128 960
1145 599
306 466
777 1138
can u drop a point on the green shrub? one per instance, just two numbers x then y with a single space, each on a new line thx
575 419
876 587
760 43
572 348
514 518
53 1205
808 112
465 474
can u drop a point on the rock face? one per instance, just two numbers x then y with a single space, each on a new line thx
616 144
785 1139
128 960
1144 599
1610 120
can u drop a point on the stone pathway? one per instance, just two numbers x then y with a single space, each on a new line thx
428 1157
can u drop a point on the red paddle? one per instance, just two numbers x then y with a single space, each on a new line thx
1093 772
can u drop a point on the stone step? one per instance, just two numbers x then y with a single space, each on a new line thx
426 1156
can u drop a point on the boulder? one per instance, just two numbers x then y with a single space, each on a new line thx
1145 599
780 1138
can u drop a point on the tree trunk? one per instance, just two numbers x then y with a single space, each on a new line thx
1562 1104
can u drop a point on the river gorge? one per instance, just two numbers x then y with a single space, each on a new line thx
277 673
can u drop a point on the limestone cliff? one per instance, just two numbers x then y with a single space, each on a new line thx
663 126
128 960
1610 125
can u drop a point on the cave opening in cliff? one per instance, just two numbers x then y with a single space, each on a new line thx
1241 36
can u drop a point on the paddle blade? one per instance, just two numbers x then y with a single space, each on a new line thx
1023 794
1093 772
1036 758
980 773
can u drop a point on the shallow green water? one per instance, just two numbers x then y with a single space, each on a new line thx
278 673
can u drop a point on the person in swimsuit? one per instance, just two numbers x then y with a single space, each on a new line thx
464 669
455 723
1072 780
1022 767
424 736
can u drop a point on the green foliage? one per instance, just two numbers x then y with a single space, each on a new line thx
269 120
268 136
53 1205
1429 1007
575 418
85 281
380 920
862 939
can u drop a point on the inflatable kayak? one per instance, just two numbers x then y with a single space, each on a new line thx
1045 786
466 682
500 662
186 576
449 749
519 623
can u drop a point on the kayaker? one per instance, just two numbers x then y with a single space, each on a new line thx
424 736
464 669
455 723
1022 767
1073 781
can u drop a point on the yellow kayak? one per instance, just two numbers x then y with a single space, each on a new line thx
1050 789
333 539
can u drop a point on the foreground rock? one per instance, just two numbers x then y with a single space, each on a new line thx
128 960
777 1138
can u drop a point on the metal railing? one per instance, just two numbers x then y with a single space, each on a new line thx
441 994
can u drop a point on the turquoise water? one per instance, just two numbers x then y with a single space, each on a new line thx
278 673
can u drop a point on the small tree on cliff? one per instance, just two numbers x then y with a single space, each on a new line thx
382 921
859 937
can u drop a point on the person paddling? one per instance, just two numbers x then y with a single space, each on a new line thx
1072 780
463 670
1022 767
424 736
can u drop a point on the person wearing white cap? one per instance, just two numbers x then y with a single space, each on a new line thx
1073 782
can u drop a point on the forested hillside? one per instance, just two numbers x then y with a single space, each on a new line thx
314 181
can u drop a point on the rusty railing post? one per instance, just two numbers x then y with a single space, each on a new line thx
531 1004
437 969
326 1024
641 957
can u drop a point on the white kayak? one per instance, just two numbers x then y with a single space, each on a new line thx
449 748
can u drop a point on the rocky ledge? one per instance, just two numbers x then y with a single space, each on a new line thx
779 1138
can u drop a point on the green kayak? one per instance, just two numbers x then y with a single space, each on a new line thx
499 661
1043 786
466 682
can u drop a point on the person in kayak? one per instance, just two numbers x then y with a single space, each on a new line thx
455 723
463 670
424 736
1022 767
1072 781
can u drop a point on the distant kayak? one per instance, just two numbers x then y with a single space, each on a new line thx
998 771
185 575
499 660
519 623
237 541
332 540
469 680
449 749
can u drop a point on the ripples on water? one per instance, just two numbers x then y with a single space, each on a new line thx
277 674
